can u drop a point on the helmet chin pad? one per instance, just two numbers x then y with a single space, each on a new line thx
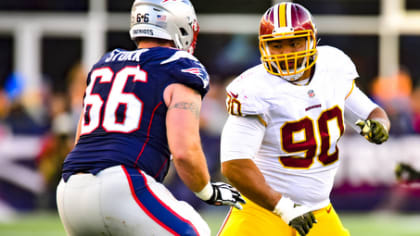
291 77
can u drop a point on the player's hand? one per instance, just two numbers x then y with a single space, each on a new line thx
405 172
297 216
220 193
303 223
373 130
225 194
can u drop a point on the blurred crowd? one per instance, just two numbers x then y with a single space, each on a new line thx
49 119
401 99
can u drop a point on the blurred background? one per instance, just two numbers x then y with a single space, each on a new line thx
48 46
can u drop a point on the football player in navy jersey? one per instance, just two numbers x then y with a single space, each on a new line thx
141 108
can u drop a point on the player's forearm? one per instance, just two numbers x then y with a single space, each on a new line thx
247 178
182 125
193 172
380 115
188 157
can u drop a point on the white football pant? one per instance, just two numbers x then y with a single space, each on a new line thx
124 201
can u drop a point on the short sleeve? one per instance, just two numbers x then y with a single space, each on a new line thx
184 68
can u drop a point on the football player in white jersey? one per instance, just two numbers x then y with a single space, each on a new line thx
279 144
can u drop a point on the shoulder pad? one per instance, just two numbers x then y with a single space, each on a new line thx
179 54
245 95
186 69
340 62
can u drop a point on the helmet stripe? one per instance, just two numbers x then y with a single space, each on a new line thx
282 15
289 15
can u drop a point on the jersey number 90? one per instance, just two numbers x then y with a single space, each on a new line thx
308 145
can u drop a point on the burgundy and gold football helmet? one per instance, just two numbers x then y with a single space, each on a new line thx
287 21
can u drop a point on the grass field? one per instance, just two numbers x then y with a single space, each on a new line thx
359 224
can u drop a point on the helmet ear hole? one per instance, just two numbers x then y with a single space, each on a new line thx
183 31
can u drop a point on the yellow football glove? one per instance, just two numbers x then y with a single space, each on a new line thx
373 130
405 172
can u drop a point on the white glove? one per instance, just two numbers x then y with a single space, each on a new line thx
297 216
220 193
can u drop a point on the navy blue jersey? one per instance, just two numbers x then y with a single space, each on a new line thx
124 111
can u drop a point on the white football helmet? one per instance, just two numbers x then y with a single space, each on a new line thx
173 20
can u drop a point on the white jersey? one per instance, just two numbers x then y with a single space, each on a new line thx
298 155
